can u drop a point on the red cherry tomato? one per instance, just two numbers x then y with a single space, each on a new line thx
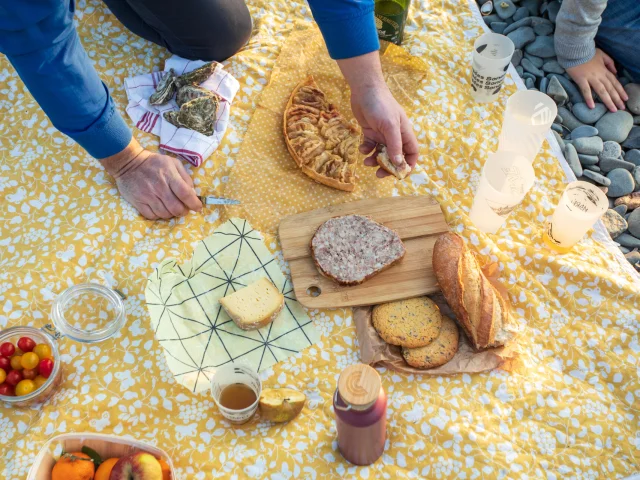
45 367
26 344
5 364
29 373
7 349
6 389
14 377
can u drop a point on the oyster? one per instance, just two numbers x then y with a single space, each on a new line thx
197 76
165 89
190 92
198 114
172 118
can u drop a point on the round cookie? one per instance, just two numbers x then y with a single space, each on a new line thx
409 323
438 352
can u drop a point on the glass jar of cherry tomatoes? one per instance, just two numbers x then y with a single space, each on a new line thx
30 367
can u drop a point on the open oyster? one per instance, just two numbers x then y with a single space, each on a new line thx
198 114
190 92
165 89
197 76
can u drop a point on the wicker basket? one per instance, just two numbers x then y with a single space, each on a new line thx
107 446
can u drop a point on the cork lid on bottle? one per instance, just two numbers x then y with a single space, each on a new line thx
359 386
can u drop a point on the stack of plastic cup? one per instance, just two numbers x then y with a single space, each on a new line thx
492 54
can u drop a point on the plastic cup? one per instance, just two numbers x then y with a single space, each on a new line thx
233 374
527 119
580 206
506 178
491 56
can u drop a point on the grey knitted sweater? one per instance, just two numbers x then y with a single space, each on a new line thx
576 27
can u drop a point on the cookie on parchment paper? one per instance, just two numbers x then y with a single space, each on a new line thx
409 323
438 352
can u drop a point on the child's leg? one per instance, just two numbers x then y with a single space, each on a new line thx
619 34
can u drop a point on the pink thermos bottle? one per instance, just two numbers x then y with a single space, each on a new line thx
360 405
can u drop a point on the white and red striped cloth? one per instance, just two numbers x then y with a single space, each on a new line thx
192 146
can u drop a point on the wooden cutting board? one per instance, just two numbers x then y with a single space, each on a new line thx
417 219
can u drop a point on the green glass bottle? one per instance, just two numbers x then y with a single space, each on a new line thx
391 16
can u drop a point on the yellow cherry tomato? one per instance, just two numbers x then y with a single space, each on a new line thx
25 387
16 362
3 376
42 350
39 381
29 360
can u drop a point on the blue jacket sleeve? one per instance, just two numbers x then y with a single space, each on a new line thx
348 26
40 41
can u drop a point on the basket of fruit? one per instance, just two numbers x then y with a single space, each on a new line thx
92 456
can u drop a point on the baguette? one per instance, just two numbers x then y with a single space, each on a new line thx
481 311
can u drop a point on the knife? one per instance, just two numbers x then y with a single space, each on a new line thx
211 200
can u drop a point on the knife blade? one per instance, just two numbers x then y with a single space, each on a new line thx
211 200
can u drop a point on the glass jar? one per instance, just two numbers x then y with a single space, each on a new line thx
86 313
360 406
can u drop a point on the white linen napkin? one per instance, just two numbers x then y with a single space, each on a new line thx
192 146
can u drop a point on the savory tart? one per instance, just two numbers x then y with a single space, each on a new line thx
321 141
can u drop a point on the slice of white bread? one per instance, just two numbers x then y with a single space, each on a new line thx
386 164
255 305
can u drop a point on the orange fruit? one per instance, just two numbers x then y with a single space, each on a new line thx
73 466
166 471
104 470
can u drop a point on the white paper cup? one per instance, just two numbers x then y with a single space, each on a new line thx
491 56
506 178
232 374
580 206
527 119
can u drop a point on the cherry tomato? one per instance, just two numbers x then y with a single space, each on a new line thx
45 367
16 362
5 364
39 381
29 373
7 349
3 376
6 389
18 352
25 387
42 350
29 360
26 344
13 378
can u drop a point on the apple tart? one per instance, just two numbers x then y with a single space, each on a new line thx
321 141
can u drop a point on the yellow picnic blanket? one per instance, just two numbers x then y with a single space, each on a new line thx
570 411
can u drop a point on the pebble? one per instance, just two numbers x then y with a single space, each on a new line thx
633 104
505 8
574 94
628 241
572 159
544 85
631 201
633 156
614 223
522 36
560 140
517 57
543 29
557 128
498 27
531 68
636 174
552 66
553 9
489 19
609 164
624 250
621 209
569 120
588 159
633 257
589 115
537 61
615 126
588 145
558 117
611 150
532 5
636 120
521 13
557 92
525 22
584 131
529 83
520 70
634 223
541 47
593 168
621 182
526 75
633 139
596 177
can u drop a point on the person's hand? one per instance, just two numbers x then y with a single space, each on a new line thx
158 186
598 74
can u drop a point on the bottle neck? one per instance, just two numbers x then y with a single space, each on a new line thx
340 404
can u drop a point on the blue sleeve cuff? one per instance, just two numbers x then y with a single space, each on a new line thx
108 135
350 37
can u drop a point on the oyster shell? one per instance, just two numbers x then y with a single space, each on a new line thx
197 76
165 89
190 92
198 114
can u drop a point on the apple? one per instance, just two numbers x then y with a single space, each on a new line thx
137 466
281 404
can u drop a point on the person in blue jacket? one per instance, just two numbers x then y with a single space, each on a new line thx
39 39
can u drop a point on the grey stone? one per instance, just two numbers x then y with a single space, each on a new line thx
615 126
559 139
553 9
556 91
608 164
533 6
623 81
526 75
621 182
596 177
498 27
489 19
504 8
529 83
636 120
557 127
517 57
589 115
614 223
588 159
633 139
633 156
522 36
536 61
521 12
525 22
541 47
628 241
574 94
572 159
520 70
558 117
544 7
543 29
531 68
584 131
621 209
636 174
569 120
588 145
544 86
593 168
634 223
610 150
624 250
633 104
552 66
633 257
626 216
